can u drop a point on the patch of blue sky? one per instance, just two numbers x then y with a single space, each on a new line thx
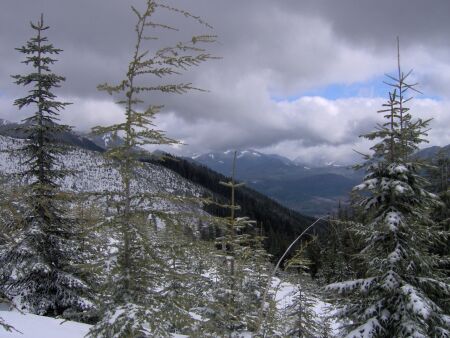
425 96
375 87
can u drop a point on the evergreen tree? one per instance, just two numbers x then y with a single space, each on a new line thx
36 265
402 293
438 174
92 249
8 214
335 252
258 268
5 232
306 322
242 271
184 279
303 321
136 307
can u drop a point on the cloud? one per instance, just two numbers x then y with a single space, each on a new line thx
269 49
309 128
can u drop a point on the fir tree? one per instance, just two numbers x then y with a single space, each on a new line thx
402 293
336 250
92 249
438 174
182 282
8 214
306 322
303 320
241 273
136 307
258 268
225 315
36 265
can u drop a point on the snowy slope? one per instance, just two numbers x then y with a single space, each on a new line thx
95 174
32 326
284 297
92 173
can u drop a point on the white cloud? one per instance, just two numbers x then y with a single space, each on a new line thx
86 113
310 127
269 49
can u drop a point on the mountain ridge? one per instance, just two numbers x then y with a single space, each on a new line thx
310 190
292 184
289 182
279 223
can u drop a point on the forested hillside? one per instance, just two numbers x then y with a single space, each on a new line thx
281 225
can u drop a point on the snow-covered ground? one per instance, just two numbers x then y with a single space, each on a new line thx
32 326
95 174
284 297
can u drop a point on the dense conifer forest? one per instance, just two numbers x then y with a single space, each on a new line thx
280 225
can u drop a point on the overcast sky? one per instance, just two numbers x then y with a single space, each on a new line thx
298 78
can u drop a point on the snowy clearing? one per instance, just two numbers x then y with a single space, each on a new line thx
32 326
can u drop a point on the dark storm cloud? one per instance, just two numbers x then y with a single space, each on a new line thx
376 23
268 48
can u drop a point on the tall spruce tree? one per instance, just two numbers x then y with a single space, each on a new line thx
402 293
36 265
136 308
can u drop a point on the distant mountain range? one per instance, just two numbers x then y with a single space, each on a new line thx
309 190
433 152
281 225
254 164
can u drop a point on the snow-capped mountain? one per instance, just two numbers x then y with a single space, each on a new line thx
319 163
251 164
307 189
311 190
